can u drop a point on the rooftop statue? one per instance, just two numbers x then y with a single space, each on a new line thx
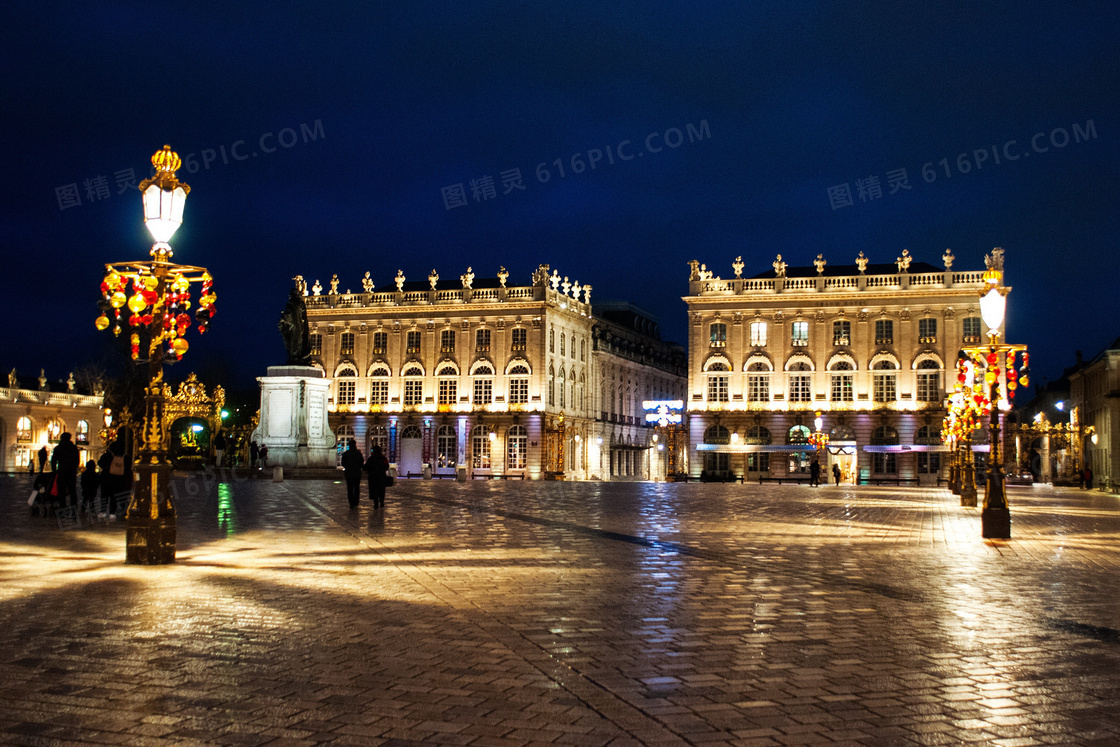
293 328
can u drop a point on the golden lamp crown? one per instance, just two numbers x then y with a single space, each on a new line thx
991 276
166 161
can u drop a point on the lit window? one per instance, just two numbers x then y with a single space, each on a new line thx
799 334
482 340
23 429
884 332
718 334
517 442
800 387
842 333
927 330
380 342
316 341
379 386
446 447
447 341
448 391
346 343
971 329
841 390
413 342
883 386
717 388
480 447
758 334
929 381
518 337
346 391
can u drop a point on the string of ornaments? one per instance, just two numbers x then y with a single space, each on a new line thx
145 303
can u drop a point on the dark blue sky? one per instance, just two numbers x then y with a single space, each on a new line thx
412 99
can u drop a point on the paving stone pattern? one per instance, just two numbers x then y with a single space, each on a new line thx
568 614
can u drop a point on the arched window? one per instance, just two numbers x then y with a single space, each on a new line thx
884 435
412 431
517 441
379 436
552 339
841 433
929 381
798 434
54 430
928 435
413 385
551 385
342 436
718 380
518 385
346 377
447 447
884 386
81 432
717 462
563 382
758 382
841 381
23 429
480 447
483 384
379 385
563 347
756 434
717 434
448 385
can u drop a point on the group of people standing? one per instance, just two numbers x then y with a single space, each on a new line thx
111 474
376 469
815 473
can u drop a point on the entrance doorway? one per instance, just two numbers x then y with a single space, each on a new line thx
845 457
412 452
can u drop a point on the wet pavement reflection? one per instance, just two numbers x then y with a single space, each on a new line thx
587 613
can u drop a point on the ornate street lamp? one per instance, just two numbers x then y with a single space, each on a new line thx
819 439
159 301
964 408
995 517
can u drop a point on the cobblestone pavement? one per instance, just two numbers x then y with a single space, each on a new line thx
566 613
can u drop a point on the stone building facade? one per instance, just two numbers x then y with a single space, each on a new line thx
35 412
470 377
866 347
1095 396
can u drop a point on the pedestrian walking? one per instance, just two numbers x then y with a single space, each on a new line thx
352 469
836 472
116 476
262 452
1088 477
42 458
64 461
377 468
815 474
254 454
219 448
89 483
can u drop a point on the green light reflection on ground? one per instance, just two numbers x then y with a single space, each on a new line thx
227 515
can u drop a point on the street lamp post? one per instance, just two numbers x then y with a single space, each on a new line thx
159 303
819 440
995 517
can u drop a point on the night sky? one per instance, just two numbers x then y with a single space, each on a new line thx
388 107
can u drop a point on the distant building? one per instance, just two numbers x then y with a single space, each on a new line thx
1095 395
868 346
34 412
474 376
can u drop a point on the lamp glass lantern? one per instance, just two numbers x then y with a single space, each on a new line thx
993 304
163 211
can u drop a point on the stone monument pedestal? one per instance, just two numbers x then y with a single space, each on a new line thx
294 417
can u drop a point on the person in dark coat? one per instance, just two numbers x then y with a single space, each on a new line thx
377 467
64 461
90 481
815 473
254 454
352 469
116 484
219 448
836 472
42 458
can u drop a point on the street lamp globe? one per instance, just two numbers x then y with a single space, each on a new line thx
164 197
993 302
